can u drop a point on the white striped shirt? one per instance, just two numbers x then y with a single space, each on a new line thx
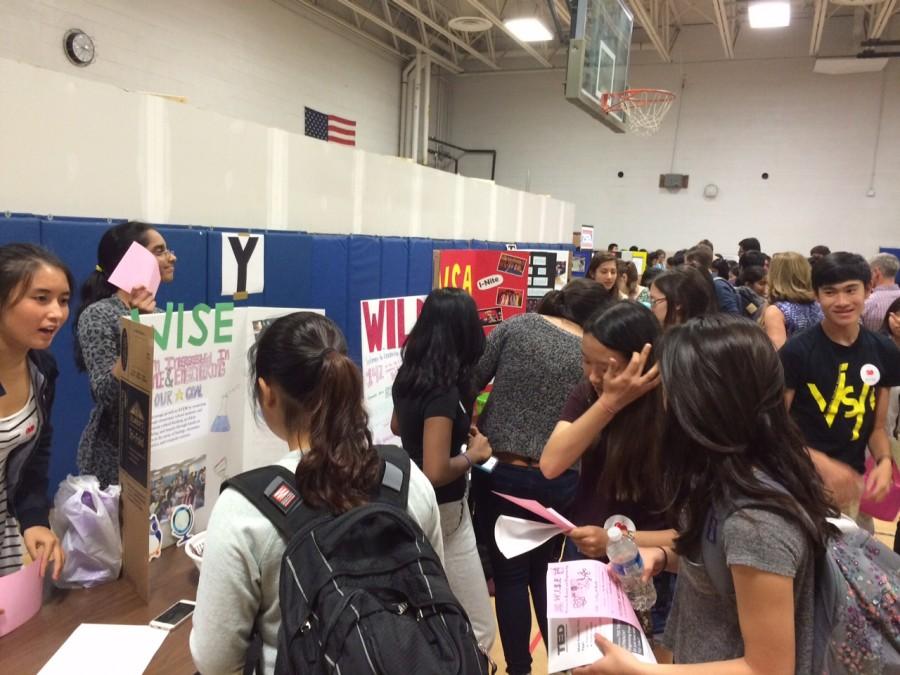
14 431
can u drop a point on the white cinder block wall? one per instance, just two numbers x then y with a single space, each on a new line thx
83 142
765 111
254 60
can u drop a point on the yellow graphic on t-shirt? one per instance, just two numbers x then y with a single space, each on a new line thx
843 395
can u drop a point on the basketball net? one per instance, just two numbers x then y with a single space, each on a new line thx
644 108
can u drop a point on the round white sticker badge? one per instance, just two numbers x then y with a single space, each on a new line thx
869 374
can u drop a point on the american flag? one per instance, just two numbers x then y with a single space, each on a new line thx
330 127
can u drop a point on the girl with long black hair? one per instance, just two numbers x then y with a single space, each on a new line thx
727 439
433 398
97 341
608 424
681 294
310 394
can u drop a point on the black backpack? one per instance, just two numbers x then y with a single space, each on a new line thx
363 591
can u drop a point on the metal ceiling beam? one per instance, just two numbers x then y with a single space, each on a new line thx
387 15
726 27
882 19
441 60
494 19
820 16
290 5
563 8
402 4
647 17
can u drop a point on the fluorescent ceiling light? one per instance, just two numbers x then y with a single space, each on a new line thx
529 30
769 14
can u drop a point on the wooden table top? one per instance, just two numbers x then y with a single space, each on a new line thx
172 577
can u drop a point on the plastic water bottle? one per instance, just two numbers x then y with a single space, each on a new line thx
625 560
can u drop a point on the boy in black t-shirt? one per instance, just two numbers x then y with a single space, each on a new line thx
837 377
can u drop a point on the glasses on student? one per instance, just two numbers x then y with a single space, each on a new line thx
655 301
165 253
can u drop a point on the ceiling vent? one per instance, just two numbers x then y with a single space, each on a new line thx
470 24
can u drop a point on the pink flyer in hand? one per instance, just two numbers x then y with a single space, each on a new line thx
585 588
539 509
20 597
138 267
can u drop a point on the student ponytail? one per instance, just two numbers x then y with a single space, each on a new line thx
577 301
304 355
113 245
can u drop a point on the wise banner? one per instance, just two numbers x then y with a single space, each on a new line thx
384 325
188 421
497 280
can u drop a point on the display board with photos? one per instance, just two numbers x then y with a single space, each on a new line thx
496 280
188 421
547 270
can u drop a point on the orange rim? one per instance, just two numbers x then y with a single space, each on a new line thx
631 98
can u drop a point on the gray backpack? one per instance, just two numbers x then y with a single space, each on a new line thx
857 598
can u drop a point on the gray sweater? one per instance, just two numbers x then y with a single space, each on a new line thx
98 334
535 365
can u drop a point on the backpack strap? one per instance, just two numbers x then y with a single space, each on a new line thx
273 491
394 488
712 547
712 553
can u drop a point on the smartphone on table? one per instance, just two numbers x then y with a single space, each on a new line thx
174 615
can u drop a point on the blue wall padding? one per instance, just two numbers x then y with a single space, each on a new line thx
23 229
587 262
190 283
394 267
420 266
444 244
334 272
364 283
288 276
329 276
76 243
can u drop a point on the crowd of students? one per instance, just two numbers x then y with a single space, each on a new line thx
666 400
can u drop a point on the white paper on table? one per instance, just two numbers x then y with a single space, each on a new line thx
516 536
572 645
106 649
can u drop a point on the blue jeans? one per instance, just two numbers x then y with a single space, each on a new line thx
514 577
665 590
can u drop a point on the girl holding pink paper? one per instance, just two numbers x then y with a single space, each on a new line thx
97 340
34 304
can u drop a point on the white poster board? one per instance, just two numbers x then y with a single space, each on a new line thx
384 325
587 237
203 425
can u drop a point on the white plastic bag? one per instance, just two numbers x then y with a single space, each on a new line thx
86 520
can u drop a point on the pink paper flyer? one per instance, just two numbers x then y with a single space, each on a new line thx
20 597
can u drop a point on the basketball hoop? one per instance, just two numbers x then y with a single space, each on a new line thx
644 108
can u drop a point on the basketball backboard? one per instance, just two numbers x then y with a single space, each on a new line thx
598 57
